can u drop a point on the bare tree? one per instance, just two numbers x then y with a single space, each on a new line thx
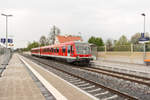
53 33
43 40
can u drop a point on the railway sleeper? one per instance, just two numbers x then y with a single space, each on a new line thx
88 87
111 97
80 82
94 90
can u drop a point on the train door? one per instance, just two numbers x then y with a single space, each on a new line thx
72 50
68 49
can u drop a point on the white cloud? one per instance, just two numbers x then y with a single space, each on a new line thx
104 18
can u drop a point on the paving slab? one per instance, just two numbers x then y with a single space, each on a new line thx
127 66
16 83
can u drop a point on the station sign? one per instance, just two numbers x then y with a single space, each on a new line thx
143 39
3 40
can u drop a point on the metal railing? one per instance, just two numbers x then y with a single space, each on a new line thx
5 56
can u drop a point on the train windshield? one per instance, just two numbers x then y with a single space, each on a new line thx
82 48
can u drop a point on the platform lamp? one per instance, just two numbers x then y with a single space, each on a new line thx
6 27
144 49
143 14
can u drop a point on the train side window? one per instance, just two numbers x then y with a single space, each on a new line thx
57 50
54 50
49 49
69 48
64 49
72 50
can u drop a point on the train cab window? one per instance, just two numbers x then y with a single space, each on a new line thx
64 49
82 48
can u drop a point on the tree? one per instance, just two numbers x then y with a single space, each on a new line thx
54 31
96 40
123 41
122 44
43 41
34 44
109 45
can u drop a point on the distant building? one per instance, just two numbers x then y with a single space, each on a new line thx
63 39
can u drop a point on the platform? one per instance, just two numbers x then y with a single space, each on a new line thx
139 68
17 84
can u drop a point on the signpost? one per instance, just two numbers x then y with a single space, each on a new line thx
143 40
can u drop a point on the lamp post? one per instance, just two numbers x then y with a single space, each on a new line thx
144 49
143 14
6 27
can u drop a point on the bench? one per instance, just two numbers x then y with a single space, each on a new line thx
147 62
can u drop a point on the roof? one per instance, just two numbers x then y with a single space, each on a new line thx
63 39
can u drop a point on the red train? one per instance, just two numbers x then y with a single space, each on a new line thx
72 52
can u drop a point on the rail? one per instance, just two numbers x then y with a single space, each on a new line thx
89 81
125 76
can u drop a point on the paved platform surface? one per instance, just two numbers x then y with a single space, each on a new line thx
127 66
16 83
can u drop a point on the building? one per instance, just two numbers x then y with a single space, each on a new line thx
63 39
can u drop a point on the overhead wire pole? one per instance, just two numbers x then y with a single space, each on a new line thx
6 28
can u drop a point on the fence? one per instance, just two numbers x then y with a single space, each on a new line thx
125 53
126 48
5 55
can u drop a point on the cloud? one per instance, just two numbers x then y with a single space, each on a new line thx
104 18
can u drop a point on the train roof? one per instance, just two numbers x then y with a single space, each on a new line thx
56 45
35 48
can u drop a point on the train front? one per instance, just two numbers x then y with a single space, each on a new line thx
83 52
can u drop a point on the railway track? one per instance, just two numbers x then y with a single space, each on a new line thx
96 89
120 75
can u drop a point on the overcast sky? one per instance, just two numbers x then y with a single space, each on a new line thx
104 18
